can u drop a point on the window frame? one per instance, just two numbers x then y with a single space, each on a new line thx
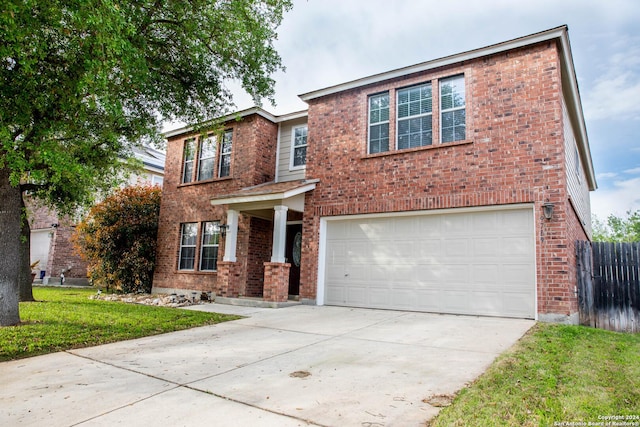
410 117
453 109
201 141
203 245
294 147
185 151
224 154
378 123
183 246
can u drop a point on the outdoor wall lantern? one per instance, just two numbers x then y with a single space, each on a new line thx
223 229
547 209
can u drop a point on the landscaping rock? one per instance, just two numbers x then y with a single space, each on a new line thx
161 300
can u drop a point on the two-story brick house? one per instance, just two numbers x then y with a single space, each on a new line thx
458 185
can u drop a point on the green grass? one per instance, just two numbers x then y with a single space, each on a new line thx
65 318
554 374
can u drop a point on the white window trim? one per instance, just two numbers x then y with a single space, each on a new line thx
182 225
223 153
209 137
157 180
202 245
441 110
398 119
369 124
293 147
185 161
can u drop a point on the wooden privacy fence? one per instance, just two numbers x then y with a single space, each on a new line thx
609 285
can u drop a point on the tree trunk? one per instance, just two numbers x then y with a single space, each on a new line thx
10 260
25 279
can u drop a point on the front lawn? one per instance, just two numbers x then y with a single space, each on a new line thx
555 375
65 318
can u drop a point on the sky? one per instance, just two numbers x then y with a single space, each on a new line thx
327 42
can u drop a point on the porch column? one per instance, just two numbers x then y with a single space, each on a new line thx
279 233
232 236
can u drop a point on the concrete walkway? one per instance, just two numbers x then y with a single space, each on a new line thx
295 366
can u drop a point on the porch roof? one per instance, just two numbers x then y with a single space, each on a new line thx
270 192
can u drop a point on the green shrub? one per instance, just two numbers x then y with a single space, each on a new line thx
118 239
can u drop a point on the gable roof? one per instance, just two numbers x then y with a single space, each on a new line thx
238 115
569 82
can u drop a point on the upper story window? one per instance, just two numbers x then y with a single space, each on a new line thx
157 180
379 123
419 121
414 127
225 155
206 151
452 109
299 147
189 156
207 157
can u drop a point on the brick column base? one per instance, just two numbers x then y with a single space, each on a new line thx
276 281
228 281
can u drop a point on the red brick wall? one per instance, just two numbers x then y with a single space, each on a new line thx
62 255
514 153
253 162
276 281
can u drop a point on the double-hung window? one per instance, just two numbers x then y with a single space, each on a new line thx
452 109
207 158
209 248
225 155
299 147
414 127
188 235
189 156
379 123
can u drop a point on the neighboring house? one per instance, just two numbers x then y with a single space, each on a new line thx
457 185
51 234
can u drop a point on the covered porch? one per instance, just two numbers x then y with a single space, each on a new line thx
280 207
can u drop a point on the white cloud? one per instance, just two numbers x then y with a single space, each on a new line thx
606 175
634 171
614 97
624 196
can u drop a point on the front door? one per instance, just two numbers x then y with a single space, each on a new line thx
293 253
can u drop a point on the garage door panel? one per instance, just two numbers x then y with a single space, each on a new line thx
337 252
456 247
426 248
403 249
488 302
517 274
468 263
515 246
379 297
485 222
516 220
454 301
429 225
454 224
486 274
357 294
484 246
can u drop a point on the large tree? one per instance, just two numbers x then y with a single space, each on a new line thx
617 229
81 79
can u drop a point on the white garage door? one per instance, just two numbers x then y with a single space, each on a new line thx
479 262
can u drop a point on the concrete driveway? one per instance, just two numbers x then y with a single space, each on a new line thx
295 366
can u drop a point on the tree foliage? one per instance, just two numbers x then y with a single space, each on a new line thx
118 239
617 229
81 80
